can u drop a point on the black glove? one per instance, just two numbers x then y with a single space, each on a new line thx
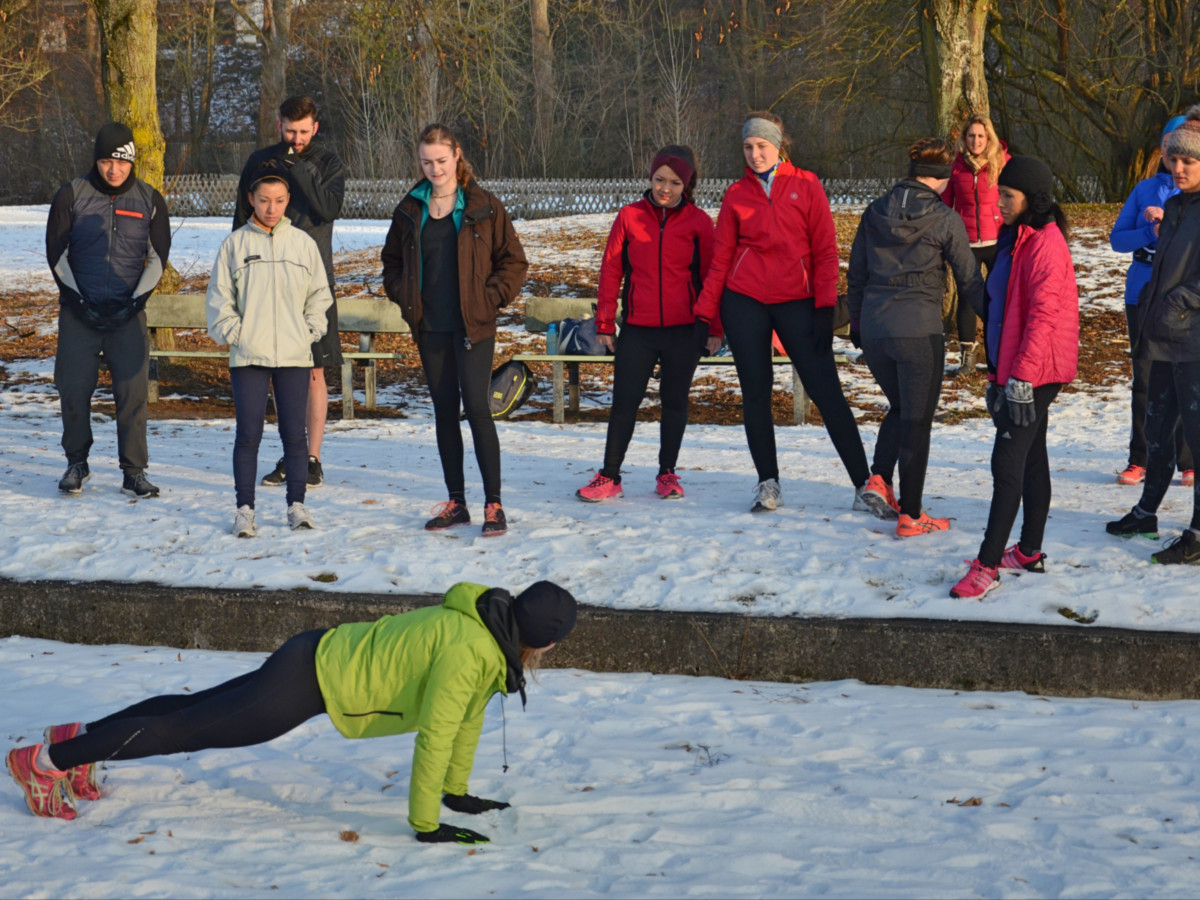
823 330
472 806
995 403
856 333
1019 395
449 834
700 337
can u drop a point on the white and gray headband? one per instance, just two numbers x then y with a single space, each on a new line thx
765 129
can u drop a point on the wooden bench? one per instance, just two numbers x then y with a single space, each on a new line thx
367 317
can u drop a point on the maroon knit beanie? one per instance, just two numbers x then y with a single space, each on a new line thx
677 164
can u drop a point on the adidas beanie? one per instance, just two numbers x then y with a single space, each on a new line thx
115 141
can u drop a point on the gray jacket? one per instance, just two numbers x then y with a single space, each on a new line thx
1169 305
897 274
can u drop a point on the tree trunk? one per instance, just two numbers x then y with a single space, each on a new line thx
543 79
427 65
274 35
952 33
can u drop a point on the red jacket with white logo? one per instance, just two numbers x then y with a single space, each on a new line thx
975 197
774 249
662 256
1039 342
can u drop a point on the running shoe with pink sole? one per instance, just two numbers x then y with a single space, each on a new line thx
978 581
81 778
47 793
668 487
601 487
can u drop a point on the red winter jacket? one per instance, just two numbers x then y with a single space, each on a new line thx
1039 342
973 196
662 255
776 248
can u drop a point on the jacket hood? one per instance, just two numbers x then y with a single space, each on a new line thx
494 610
905 213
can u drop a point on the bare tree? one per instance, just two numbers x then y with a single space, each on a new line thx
952 36
22 68
543 77
273 31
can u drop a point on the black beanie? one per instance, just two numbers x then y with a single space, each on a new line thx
545 614
115 141
1033 178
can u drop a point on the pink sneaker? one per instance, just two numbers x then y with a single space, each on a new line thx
977 582
81 778
1189 477
600 488
668 487
1014 560
1132 475
46 792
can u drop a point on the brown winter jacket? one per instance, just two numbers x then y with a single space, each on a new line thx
491 262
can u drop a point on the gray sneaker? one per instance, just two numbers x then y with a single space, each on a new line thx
243 523
138 486
298 517
767 496
73 479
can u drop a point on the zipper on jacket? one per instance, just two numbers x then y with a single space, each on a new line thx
112 237
373 712
978 219
662 232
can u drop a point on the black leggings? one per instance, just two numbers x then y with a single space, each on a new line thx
250 709
1138 454
460 377
638 351
1172 405
965 321
1020 475
748 326
909 370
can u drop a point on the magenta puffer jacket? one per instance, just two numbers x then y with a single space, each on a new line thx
975 197
1039 342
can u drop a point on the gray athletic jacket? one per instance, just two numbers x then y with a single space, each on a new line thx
897 274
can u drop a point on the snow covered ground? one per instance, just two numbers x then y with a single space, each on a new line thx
626 786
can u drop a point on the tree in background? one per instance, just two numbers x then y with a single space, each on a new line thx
952 36
22 66
273 32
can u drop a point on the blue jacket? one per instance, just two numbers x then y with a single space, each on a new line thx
1131 231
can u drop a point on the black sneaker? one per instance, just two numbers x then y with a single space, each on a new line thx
275 478
494 523
316 475
1184 549
73 479
448 514
138 486
1133 525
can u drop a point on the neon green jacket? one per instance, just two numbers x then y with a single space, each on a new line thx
431 671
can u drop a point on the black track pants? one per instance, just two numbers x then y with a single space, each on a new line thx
1172 405
1138 454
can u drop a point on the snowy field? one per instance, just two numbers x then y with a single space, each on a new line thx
626 786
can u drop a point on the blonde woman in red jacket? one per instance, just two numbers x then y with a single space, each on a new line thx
657 255
775 269
974 193
1031 315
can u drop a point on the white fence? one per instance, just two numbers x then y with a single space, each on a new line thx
524 198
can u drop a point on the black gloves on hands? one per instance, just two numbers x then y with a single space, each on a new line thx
700 337
823 330
995 402
449 834
472 806
856 333
1019 395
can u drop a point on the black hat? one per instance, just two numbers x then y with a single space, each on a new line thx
1031 177
545 614
268 170
115 141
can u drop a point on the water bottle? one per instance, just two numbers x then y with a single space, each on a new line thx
552 339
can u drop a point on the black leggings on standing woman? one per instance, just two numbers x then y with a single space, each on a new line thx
250 709
638 351
460 377
748 325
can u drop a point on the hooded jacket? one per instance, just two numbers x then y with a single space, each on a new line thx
1131 232
491 262
976 197
1169 305
773 247
655 260
1039 339
897 274
107 247
432 671
267 296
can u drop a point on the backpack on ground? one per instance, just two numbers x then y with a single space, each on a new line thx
512 385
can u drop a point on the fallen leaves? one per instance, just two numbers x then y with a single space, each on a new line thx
970 801
349 836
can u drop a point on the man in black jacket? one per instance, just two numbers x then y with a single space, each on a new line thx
107 240
317 181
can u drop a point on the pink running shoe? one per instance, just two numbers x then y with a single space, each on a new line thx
46 792
977 582
1188 477
600 488
1014 560
1132 475
668 487
82 779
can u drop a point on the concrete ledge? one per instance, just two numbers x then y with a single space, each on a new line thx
1063 660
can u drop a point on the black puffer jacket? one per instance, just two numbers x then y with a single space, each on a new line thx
897 274
1169 305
